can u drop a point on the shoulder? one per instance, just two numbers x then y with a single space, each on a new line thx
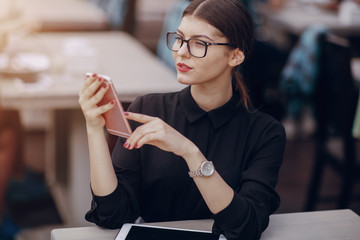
261 124
263 118
265 136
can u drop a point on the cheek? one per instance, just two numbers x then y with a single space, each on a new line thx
213 65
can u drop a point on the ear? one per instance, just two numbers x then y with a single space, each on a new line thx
236 57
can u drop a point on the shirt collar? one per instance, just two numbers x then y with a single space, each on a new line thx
218 116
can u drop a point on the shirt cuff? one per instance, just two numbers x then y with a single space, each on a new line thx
235 213
104 204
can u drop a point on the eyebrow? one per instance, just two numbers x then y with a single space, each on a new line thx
196 36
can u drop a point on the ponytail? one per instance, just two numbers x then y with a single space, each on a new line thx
241 88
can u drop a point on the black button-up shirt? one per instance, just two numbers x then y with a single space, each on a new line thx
247 151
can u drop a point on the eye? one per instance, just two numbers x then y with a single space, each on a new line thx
199 43
177 36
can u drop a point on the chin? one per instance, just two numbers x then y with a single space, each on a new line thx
184 81
185 78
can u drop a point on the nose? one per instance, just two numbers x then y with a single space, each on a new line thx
184 50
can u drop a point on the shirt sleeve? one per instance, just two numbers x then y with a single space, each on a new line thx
247 216
121 206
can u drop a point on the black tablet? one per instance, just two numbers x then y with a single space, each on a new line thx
148 232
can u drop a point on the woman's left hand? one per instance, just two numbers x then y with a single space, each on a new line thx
156 132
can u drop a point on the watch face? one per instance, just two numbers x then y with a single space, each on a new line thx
207 168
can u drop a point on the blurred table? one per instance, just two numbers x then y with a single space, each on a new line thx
295 16
134 70
64 15
333 224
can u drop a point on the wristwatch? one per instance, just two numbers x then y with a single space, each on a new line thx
206 169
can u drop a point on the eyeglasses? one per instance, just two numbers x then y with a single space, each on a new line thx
196 47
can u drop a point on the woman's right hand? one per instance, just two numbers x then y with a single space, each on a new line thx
90 95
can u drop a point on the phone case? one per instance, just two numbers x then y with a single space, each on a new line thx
115 121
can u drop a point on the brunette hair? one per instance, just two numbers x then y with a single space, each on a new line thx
234 21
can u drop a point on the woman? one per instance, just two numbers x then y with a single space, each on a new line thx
156 173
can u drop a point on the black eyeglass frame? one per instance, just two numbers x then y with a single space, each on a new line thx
188 45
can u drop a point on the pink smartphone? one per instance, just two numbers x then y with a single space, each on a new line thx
115 121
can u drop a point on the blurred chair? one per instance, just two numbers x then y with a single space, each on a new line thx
299 78
121 13
335 104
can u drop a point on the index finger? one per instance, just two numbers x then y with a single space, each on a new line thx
138 117
89 79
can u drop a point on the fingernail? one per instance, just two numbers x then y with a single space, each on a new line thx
100 79
126 113
94 75
105 85
112 102
125 145
136 146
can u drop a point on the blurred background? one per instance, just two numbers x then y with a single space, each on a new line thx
304 71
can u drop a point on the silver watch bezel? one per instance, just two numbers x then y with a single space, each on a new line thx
203 168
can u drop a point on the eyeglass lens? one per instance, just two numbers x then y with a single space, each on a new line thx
196 48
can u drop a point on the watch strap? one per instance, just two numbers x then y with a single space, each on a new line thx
196 173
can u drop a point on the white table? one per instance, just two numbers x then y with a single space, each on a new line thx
319 225
134 70
58 15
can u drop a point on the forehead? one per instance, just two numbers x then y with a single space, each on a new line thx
192 26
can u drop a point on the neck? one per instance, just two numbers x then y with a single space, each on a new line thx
210 97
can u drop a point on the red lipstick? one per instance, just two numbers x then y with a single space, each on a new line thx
182 67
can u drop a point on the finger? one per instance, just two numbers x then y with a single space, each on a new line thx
93 87
89 79
139 133
93 113
106 107
149 138
90 76
141 118
93 101
86 94
99 95
89 88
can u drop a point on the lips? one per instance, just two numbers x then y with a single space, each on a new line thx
182 67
